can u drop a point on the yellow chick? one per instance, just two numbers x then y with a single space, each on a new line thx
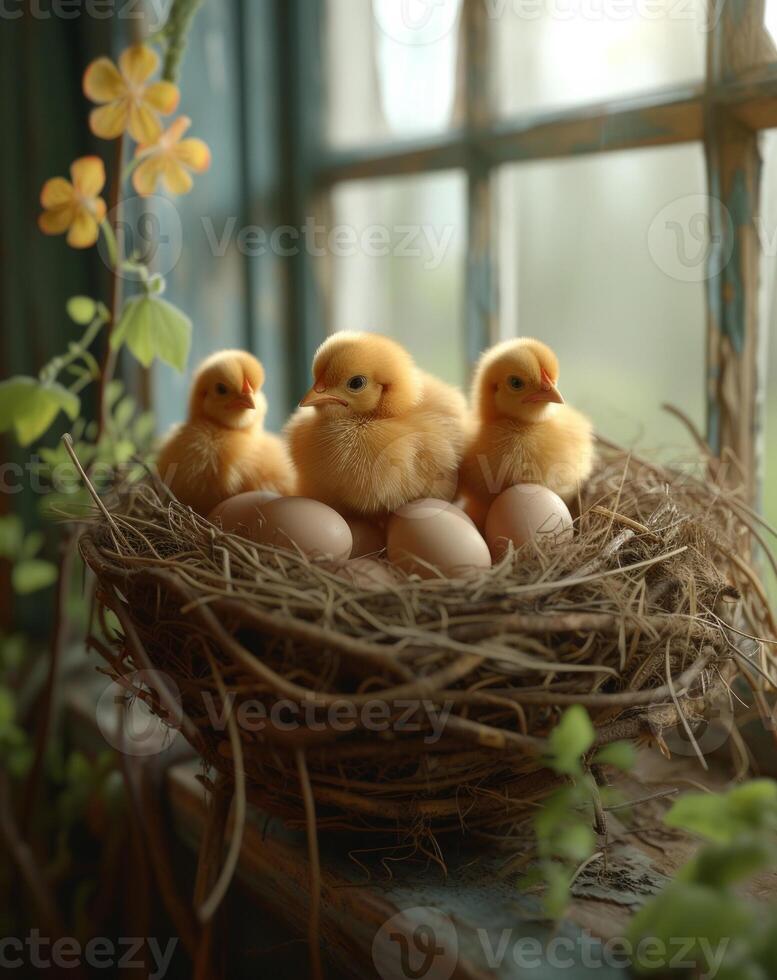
374 431
222 448
523 431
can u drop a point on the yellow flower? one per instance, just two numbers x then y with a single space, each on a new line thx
75 207
170 160
127 101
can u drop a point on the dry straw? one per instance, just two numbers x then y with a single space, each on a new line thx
646 617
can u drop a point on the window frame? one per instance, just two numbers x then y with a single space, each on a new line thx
725 112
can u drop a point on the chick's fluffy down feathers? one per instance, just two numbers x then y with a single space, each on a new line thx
203 464
550 444
407 445
222 449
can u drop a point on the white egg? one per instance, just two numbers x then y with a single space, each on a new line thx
286 522
432 537
524 513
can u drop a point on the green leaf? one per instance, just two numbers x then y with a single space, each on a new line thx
692 912
11 536
7 710
19 759
151 327
81 309
123 412
570 740
30 407
619 754
722 865
113 392
143 428
723 817
556 897
32 544
12 651
32 575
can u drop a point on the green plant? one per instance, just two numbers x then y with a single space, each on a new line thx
729 932
564 826
114 438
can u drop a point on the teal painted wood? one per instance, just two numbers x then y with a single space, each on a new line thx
265 192
305 85
734 376
481 273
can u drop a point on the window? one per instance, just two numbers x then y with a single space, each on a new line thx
582 170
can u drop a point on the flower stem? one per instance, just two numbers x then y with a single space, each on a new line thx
110 242
127 172
108 364
50 371
179 22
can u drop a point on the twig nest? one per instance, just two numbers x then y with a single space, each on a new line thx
288 522
369 536
525 512
366 573
431 537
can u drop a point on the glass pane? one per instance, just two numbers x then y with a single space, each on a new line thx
379 55
206 277
397 253
768 47
566 52
604 257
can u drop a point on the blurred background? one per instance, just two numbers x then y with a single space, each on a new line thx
298 229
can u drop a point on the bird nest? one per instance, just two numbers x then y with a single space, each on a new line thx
425 707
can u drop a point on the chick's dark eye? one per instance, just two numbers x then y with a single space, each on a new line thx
515 382
221 389
356 383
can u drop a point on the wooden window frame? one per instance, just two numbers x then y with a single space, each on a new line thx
726 111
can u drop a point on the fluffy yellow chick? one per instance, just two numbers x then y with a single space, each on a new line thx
374 431
222 448
523 431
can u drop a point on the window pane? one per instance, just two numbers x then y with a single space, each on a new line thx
397 252
604 257
206 275
379 56
556 53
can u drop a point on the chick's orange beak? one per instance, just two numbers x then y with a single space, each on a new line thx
547 392
318 396
245 399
